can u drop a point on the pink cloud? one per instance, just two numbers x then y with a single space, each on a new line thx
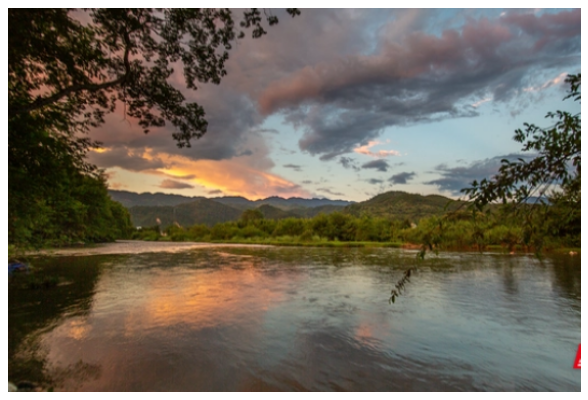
480 45
547 27
365 150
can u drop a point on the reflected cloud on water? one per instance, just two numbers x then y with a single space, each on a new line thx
298 319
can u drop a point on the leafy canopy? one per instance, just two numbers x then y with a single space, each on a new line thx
555 172
58 64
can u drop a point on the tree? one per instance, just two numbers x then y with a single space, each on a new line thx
58 64
64 76
558 161
251 215
553 176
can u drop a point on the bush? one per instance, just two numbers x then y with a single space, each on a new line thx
250 232
199 232
224 231
290 226
307 236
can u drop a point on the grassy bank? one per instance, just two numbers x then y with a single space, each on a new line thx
456 231
293 242
325 243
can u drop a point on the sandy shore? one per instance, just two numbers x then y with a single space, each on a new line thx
136 247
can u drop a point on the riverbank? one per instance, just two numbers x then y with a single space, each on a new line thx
290 241
166 245
131 247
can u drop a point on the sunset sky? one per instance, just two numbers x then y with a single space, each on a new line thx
347 104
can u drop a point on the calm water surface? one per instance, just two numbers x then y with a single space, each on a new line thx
193 318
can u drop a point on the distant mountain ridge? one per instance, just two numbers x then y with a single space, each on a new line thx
131 199
188 211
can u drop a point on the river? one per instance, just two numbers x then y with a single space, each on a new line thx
137 316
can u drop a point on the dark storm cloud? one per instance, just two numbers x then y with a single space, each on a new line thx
379 165
170 184
247 152
231 107
453 179
297 168
375 181
420 77
231 118
402 178
125 159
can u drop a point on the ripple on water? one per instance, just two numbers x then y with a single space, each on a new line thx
189 317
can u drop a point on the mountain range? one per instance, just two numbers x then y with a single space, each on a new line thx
130 199
148 209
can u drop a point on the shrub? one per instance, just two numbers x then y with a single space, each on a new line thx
290 226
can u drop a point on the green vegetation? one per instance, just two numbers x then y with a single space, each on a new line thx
201 211
456 230
402 205
553 177
392 205
210 212
554 172
83 214
55 198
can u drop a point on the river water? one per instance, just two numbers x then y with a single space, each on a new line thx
140 316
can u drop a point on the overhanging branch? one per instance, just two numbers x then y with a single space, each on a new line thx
41 102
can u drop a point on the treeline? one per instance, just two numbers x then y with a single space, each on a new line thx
456 230
54 196
76 209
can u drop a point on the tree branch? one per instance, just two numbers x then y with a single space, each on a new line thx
41 102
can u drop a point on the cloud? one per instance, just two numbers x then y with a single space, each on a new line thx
375 181
418 77
402 178
454 179
116 185
216 191
170 184
297 168
307 182
365 150
232 120
366 71
133 160
480 102
379 165
547 29
238 177
329 191
558 80
348 162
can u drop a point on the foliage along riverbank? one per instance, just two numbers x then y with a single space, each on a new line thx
454 231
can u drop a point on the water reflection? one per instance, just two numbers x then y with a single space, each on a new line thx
286 319
31 313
